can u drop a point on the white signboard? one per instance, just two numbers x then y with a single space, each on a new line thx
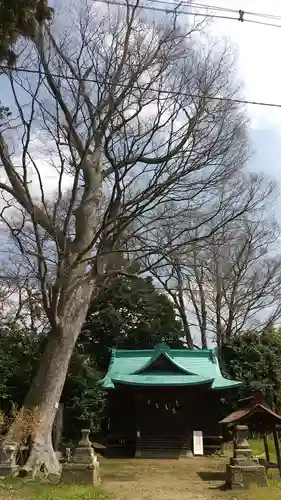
198 443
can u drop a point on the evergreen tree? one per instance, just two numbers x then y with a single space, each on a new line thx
18 18
255 359
128 313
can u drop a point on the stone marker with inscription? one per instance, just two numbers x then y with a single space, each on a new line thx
244 470
83 466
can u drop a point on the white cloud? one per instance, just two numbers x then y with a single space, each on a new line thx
258 62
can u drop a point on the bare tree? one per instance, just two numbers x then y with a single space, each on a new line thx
231 282
120 110
246 271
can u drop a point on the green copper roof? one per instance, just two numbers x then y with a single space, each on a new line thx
135 367
161 379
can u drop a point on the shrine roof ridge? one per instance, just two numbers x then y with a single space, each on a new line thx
173 352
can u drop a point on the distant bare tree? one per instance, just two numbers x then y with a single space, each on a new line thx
223 286
245 268
20 297
119 109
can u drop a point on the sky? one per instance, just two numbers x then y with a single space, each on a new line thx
257 67
260 71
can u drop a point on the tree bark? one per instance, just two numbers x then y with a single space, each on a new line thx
187 332
182 309
34 423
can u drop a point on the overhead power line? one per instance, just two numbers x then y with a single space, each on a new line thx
175 9
139 87
196 5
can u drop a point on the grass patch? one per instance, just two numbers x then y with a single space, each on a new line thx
273 492
131 479
16 489
257 446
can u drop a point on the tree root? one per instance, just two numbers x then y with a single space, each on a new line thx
42 458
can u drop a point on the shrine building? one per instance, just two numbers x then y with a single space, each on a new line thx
159 399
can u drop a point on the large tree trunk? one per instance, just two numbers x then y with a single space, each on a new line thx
182 308
35 420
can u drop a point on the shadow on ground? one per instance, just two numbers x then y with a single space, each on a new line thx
212 476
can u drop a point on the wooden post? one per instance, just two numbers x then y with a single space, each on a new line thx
138 416
266 449
138 424
277 448
58 427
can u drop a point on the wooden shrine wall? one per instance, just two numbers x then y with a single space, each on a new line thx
122 413
164 411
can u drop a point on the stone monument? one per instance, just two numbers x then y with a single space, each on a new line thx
8 463
244 470
83 466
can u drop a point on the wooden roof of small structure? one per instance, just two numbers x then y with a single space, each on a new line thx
257 413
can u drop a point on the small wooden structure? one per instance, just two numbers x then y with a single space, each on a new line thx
158 398
261 419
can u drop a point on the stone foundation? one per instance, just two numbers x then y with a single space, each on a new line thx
240 477
75 474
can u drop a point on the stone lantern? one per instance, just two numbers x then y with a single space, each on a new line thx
83 466
244 470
